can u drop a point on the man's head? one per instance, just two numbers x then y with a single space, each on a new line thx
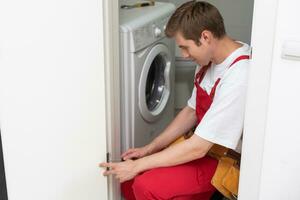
195 25
192 18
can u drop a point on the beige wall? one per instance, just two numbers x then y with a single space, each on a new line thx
237 16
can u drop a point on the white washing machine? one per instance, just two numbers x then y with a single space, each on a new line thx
147 73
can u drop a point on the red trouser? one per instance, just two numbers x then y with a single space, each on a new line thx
189 181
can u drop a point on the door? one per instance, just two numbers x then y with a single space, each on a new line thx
52 92
272 116
154 84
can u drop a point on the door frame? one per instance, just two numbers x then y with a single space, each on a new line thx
112 88
262 41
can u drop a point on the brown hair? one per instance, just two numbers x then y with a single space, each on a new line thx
192 18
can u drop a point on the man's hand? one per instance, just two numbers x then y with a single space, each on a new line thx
136 153
123 171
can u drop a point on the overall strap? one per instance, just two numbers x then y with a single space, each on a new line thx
200 75
243 57
213 90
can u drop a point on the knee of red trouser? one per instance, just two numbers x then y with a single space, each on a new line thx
126 189
143 189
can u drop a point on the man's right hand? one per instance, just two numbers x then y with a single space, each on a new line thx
136 153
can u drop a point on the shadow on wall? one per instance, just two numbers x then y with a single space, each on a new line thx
3 191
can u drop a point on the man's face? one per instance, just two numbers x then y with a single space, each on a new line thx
201 53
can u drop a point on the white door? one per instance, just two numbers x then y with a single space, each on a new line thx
52 101
272 120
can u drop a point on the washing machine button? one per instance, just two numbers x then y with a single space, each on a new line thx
157 32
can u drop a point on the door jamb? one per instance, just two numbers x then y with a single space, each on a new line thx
262 40
112 88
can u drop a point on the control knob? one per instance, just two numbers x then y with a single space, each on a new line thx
157 32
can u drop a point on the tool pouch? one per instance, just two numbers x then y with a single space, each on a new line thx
226 177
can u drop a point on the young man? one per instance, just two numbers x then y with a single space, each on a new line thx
215 109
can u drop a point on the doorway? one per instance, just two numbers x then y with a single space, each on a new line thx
249 37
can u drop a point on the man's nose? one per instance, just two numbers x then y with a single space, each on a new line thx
185 54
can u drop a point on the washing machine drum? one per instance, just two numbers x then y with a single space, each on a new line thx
154 85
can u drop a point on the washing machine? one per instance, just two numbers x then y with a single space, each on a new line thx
147 73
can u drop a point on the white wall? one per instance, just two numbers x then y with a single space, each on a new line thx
52 99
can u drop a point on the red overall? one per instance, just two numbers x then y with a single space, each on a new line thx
188 181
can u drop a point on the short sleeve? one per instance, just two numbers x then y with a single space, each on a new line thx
192 101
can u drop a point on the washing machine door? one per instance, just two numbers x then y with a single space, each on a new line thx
154 85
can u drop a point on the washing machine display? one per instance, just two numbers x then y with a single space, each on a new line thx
154 88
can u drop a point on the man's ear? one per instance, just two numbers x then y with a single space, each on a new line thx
205 37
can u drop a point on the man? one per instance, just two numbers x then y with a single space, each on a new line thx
215 109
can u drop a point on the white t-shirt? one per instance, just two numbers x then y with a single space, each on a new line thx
223 122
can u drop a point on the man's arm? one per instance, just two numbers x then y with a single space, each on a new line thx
188 150
183 122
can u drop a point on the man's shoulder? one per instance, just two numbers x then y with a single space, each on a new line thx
238 73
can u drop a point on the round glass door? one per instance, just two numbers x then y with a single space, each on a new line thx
154 87
155 83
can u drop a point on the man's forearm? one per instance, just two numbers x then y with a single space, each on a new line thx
183 122
191 149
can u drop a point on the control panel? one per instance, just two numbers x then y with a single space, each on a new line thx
148 34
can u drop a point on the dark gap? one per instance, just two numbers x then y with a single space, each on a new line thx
3 191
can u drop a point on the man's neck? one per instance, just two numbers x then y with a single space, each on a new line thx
224 47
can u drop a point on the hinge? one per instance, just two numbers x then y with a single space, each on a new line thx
107 159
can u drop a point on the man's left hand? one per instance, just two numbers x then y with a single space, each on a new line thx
123 171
